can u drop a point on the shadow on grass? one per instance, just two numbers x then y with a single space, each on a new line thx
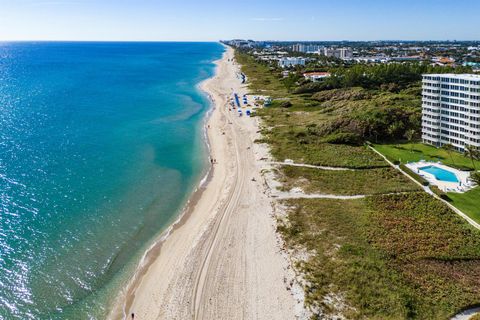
434 156
408 149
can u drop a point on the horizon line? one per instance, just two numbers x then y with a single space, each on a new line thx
220 40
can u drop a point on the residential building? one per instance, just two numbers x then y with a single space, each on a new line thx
340 53
345 53
316 76
443 61
306 48
372 59
299 47
451 110
291 62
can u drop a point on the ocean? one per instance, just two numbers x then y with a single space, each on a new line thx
100 146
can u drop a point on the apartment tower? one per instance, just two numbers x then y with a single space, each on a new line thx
451 110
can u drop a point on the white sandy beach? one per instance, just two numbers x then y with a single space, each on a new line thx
223 259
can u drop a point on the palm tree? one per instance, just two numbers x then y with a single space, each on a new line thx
473 153
475 176
410 134
449 148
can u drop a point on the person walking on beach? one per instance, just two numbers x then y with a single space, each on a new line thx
133 315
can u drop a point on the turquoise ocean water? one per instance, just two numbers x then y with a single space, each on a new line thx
100 146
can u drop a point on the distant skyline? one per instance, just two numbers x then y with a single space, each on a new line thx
212 20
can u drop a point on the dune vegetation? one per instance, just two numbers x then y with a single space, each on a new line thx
396 254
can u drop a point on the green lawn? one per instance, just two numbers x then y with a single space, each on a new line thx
409 152
468 202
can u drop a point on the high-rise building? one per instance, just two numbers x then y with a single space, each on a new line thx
340 53
299 47
451 110
306 48
345 53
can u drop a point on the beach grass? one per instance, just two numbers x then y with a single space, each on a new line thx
325 154
261 80
402 256
358 182
292 139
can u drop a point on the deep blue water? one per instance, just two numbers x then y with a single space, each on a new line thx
100 145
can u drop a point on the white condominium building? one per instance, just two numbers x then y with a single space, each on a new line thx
291 62
451 110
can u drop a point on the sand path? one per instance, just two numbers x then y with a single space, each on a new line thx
223 260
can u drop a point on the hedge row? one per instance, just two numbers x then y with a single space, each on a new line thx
440 193
414 175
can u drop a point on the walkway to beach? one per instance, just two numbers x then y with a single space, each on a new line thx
311 166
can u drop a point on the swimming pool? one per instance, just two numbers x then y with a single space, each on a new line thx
440 174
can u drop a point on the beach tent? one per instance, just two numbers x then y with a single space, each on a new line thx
237 100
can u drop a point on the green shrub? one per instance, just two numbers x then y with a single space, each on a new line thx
311 87
394 161
285 104
343 94
414 175
440 193
344 138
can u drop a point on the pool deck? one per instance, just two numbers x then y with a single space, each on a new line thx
463 177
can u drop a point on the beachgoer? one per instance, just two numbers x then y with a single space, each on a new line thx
133 315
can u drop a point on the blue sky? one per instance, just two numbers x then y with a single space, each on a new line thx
207 20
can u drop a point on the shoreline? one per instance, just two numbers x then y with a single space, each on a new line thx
127 293
221 258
